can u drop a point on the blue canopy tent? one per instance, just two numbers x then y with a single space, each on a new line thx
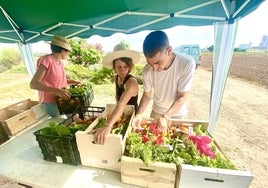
32 21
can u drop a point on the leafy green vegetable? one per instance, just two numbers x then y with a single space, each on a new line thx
80 90
101 122
120 127
57 129
178 150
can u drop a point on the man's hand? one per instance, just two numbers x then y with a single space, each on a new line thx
162 123
64 94
136 122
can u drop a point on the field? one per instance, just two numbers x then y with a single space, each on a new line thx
241 129
250 67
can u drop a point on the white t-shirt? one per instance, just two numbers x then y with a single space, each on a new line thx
165 84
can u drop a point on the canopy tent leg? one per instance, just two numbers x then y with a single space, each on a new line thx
224 39
29 62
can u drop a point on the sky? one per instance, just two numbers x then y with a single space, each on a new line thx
250 30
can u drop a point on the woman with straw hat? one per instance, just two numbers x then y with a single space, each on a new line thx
122 60
50 77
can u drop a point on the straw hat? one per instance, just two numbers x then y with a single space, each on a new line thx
61 42
120 50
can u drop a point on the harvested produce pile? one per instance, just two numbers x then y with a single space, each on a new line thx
63 129
80 90
179 145
120 127
57 141
80 95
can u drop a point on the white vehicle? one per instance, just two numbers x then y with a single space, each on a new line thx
192 50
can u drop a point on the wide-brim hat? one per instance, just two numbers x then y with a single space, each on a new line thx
61 42
120 50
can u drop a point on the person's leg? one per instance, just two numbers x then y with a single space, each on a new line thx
51 109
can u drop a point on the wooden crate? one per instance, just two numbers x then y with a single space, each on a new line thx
158 175
209 177
28 104
3 135
212 177
39 110
14 121
104 156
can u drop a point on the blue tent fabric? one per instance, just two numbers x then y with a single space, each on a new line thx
223 50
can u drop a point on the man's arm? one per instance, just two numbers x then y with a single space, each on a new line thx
177 104
145 99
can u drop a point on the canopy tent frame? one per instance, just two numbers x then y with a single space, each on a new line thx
233 11
98 25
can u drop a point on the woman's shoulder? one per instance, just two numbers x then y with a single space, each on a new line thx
131 80
47 57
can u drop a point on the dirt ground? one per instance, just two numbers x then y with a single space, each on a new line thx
241 130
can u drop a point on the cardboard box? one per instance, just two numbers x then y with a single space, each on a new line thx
158 175
29 104
203 177
105 156
14 119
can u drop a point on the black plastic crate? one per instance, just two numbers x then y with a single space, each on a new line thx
63 149
68 106
84 112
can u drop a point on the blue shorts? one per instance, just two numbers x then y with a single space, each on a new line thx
51 109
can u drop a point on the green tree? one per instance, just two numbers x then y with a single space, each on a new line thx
8 58
125 43
83 53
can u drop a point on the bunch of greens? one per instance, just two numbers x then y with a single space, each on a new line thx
120 127
151 145
62 129
55 129
80 90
